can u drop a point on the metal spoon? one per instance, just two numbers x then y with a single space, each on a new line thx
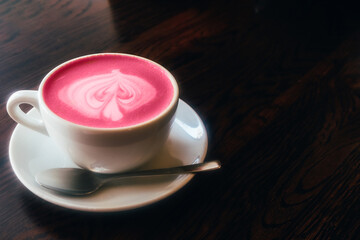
77 181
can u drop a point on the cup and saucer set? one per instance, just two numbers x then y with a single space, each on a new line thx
32 152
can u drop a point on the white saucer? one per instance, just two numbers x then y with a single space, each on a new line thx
31 152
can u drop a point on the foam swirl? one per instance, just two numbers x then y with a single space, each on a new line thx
107 96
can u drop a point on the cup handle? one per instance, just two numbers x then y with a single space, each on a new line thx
13 108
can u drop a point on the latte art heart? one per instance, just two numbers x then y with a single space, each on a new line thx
107 96
109 91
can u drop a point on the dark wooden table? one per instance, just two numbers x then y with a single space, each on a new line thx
277 84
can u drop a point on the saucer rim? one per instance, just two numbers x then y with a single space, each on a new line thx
61 201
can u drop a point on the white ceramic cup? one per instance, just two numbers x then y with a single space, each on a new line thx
104 150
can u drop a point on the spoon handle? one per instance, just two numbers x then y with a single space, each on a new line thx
192 168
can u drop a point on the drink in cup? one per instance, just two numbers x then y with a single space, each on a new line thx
109 112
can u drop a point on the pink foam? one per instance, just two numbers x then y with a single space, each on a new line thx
108 91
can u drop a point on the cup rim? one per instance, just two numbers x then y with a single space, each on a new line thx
168 110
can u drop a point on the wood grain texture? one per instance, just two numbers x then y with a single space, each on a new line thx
277 84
